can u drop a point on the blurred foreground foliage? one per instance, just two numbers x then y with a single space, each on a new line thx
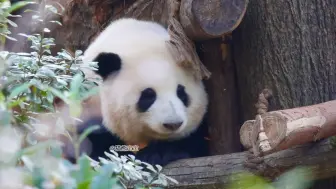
29 83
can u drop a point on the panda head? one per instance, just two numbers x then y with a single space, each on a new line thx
145 95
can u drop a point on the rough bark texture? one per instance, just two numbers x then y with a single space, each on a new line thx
221 87
216 171
282 129
290 47
85 19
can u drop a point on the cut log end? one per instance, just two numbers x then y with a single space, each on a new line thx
204 19
283 129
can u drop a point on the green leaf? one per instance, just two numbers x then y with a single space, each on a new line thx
104 180
91 92
59 94
38 178
85 169
84 185
56 151
75 108
171 179
159 167
50 97
78 53
11 23
46 30
5 118
19 5
38 146
62 82
60 5
248 180
75 85
45 71
51 8
298 178
57 22
87 132
10 38
16 91
64 54
85 173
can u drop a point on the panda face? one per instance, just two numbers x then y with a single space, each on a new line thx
156 99
145 94
164 102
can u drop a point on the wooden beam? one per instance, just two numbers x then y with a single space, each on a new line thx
216 171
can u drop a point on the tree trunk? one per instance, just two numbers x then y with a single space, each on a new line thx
221 87
289 47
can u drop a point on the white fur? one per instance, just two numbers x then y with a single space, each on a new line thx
146 62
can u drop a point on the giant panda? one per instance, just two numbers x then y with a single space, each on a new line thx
145 98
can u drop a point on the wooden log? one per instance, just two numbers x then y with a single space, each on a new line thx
217 171
283 129
206 19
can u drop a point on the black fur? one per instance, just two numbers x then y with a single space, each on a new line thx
147 98
181 93
108 63
158 152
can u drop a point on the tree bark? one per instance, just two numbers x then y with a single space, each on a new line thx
85 19
223 112
217 171
289 47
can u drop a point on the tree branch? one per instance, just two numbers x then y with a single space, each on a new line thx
282 129
216 171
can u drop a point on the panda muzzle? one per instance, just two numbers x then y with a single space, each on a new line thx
173 126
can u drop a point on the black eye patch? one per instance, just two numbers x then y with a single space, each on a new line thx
108 63
147 98
182 95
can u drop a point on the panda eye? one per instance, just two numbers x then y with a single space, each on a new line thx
148 93
147 98
182 95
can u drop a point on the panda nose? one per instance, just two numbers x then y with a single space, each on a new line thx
173 126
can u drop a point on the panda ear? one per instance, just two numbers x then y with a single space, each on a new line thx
108 63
